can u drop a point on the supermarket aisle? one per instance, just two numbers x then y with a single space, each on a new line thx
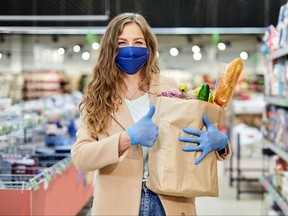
226 204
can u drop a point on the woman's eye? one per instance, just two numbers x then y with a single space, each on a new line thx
138 42
121 43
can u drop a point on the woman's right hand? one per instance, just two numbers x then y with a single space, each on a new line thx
144 132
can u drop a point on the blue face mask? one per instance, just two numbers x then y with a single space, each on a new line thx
131 59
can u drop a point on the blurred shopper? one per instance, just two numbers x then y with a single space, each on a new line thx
65 86
82 82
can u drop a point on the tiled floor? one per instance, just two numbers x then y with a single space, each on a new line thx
226 203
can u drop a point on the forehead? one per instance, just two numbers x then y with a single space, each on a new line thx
131 30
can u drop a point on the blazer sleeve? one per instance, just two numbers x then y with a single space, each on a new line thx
90 154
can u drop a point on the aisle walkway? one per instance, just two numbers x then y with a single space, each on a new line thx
227 204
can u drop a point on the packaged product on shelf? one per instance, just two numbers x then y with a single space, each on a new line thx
270 39
278 80
275 126
41 84
15 167
25 166
282 26
5 104
284 186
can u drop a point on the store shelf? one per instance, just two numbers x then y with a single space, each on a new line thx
252 106
277 54
277 101
41 84
275 123
281 202
283 154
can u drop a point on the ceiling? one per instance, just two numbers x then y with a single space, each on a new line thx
19 16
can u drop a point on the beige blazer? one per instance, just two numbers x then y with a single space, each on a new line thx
119 178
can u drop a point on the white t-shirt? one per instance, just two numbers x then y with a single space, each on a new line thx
139 108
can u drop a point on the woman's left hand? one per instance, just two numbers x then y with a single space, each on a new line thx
210 140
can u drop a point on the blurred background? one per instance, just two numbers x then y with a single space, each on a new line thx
69 33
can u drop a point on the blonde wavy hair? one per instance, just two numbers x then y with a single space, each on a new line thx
102 96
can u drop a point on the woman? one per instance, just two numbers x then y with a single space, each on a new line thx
116 128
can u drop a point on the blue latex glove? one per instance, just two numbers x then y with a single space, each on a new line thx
210 140
144 132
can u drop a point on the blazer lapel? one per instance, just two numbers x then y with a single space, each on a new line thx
123 117
154 85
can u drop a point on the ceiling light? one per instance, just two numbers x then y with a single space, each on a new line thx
244 55
197 56
85 56
174 51
221 46
195 49
76 48
1 55
61 51
95 46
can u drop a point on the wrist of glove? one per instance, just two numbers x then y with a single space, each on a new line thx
132 137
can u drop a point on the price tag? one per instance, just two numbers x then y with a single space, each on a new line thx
47 176
63 166
266 184
58 171
53 172
45 184
34 185
68 162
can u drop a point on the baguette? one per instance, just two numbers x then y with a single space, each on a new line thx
227 82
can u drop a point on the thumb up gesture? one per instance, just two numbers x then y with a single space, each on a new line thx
144 132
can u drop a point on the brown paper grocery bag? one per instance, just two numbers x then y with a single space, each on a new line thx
171 170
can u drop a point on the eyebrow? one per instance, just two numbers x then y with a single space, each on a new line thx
140 38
